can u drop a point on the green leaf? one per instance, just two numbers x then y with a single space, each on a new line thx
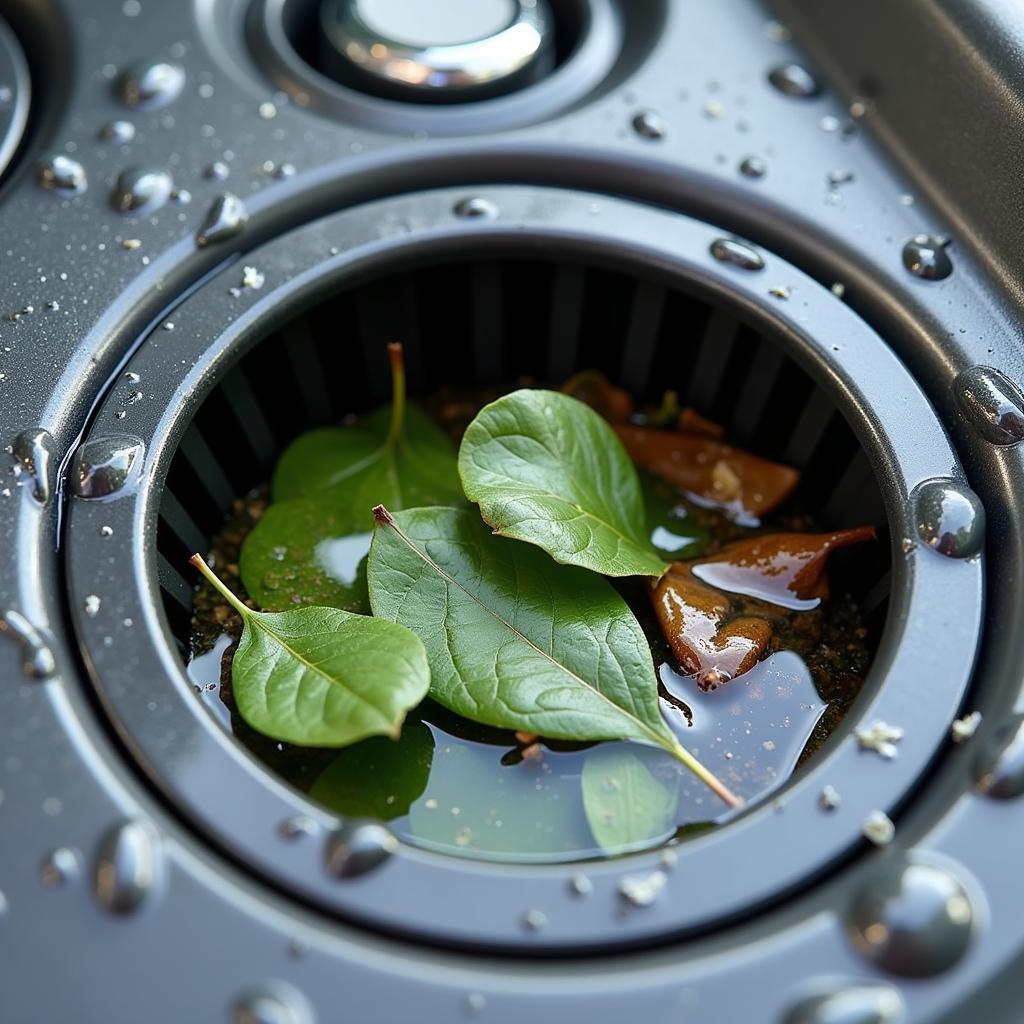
378 778
323 677
398 456
630 800
547 469
672 534
513 639
304 552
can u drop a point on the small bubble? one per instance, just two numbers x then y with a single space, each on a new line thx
753 167
649 125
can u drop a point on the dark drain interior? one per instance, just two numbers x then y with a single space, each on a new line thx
493 321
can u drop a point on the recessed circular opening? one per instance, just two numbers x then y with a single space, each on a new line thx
471 327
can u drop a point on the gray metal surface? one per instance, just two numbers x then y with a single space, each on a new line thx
195 913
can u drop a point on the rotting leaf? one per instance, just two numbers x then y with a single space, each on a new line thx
546 469
309 546
378 778
515 640
728 477
628 806
323 677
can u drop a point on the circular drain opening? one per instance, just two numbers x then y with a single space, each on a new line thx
15 96
545 242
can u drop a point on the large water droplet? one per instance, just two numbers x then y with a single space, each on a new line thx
141 190
358 848
34 451
225 218
37 660
911 918
127 866
753 167
475 208
855 1004
949 517
926 256
1000 766
739 254
991 403
793 80
650 125
104 467
59 173
150 84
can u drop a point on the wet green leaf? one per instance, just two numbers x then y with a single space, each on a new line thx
547 469
630 798
323 677
379 778
303 552
515 640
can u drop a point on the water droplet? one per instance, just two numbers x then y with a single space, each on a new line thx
793 80
475 208
753 167
580 885
225 218
925 256
151 84
739 254
118 132
991 403
535 920
141 190
37 657
59 867
649 125
854 1004
836 178
912 918
217 171
60 173
358 848
284 171
275 1003
829 799
949 517
475 1003
127 866
104 467
34 451
297 826
1000 767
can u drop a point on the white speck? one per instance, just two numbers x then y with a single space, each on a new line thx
267 110
106 531
131 243
780 291
91 605
205 90
907 199
669 858
829 123
881 738
838 289
829 799
642 890
714 109
878 827
168 325
964 728
777 32
252 278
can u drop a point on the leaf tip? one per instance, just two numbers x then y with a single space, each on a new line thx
197 561
383 516
395 354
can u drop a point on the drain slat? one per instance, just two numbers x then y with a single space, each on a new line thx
173 583
642 337
712 360
845 504
245 405
757 391
564 330
488 332
373 337
309 372
206 467
809 429
391 313
184 527
876 596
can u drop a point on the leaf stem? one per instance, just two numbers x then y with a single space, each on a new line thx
200 563
714 784
397 391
